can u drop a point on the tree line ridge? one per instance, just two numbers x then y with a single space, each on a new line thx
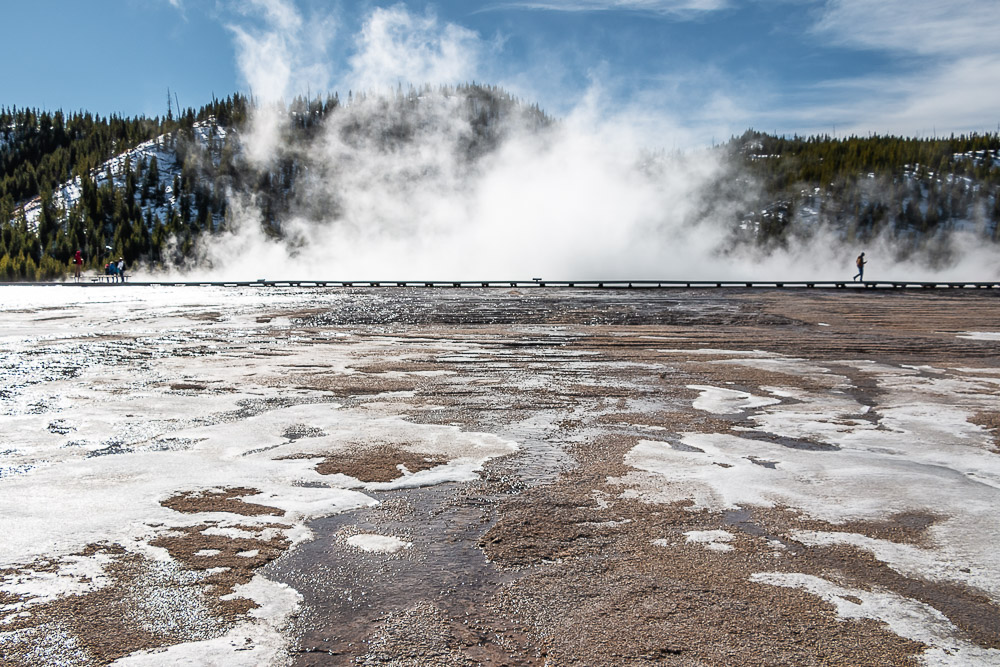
149 189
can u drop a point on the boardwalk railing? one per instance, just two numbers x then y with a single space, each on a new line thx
527 284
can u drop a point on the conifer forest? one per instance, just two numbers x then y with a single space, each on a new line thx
150 189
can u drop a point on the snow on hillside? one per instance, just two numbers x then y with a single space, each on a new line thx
206 134
980 157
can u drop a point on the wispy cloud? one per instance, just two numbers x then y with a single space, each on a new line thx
179 6
665 7
946 63
957 96
954 28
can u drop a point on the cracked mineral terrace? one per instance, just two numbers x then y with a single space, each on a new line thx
269 476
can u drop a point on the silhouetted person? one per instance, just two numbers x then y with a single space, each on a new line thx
860 261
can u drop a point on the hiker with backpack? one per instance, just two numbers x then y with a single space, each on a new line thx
860 262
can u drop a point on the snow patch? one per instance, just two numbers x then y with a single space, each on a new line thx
720 401
386 544
74 575
980 335
207 552
832 458
715 540
249 644
905 617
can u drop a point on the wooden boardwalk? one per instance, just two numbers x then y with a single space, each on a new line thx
524 284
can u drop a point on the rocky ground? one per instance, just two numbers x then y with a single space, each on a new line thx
461 477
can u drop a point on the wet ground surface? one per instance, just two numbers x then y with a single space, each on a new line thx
538 476
449 574
533 306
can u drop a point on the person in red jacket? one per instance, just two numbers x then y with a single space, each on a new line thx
77 264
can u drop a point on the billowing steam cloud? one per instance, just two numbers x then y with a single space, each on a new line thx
285 56
397 46
584 199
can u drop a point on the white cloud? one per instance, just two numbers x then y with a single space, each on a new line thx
671 7
957 28
959 96
946 66
179 6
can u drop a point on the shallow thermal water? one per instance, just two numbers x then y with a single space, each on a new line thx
132 419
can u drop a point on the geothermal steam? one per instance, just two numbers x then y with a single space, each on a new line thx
582 199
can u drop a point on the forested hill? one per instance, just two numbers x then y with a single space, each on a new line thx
58 192
151 189
912 188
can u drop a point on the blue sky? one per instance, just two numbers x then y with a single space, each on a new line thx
696 70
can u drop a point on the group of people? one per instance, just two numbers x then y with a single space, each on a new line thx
114 270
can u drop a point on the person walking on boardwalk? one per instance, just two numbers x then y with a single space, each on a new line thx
77 264
860 261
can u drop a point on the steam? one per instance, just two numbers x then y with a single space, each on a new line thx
396 46
583 199
279 54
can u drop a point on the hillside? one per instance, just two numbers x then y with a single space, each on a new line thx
121 187
150 191
914 190
156 190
